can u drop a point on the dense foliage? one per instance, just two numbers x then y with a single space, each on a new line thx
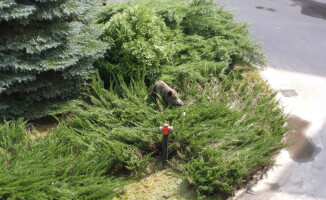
63 165
47 49
198 40
138 44
228 128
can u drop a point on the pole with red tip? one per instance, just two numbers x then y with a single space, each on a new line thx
165 129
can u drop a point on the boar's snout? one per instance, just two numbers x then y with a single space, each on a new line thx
179 103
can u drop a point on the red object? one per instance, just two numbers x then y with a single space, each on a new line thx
166 129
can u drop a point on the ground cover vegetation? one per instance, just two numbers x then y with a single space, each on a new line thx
229 127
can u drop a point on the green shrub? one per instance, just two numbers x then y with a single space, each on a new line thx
66 164
138 45
14 140
46 53
202 40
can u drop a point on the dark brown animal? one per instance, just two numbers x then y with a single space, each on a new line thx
169 95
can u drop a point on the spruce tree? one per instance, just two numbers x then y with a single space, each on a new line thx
47 49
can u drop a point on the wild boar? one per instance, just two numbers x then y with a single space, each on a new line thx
169 95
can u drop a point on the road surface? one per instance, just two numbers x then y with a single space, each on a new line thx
293 37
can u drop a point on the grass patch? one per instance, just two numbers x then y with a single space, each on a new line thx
163 184
55 167
229 128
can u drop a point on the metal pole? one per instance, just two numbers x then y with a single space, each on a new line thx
165 129
165 148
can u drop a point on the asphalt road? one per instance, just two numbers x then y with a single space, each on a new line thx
293 37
